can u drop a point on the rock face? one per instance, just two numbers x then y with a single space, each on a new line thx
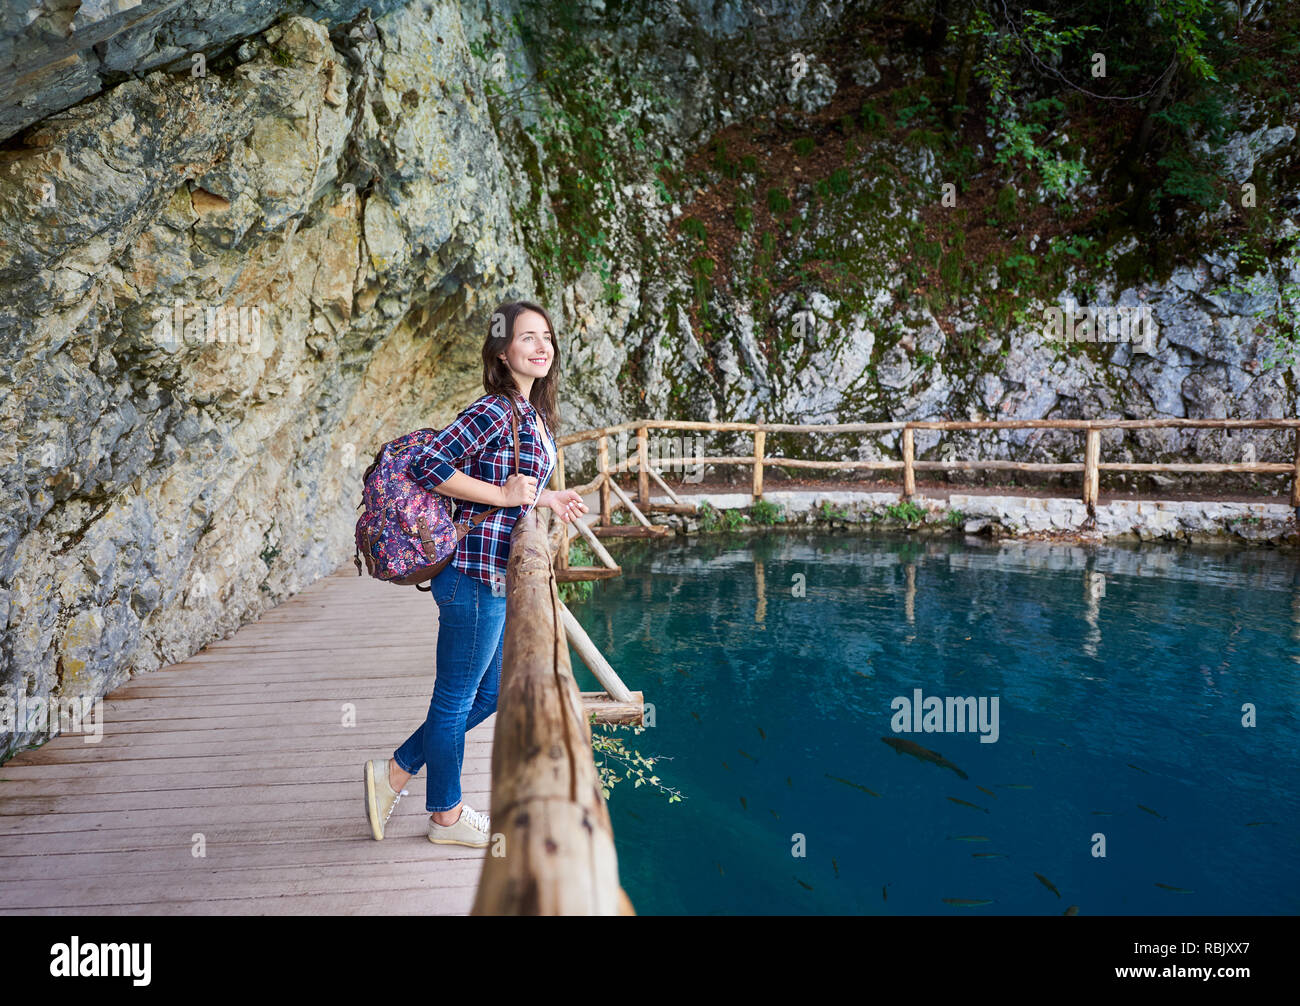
221 295
245 243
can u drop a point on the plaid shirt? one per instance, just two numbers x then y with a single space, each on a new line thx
479 443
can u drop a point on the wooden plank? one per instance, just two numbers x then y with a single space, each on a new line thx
642 466
608 709
582 574
909 459
1091 480
632 507
1295 478
759 439
627 531
245 743
602 553
664 486
591 655
602 467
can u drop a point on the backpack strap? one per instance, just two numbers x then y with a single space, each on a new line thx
514 423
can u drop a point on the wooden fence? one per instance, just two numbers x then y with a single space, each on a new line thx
1090 468
552 850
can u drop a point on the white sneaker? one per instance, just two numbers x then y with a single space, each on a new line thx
472 828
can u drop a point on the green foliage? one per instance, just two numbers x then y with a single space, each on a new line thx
733 520
581 590
836 185
921 109
701 269
695 227
767 513
1189 173
829 513
588 127
905 511
777 201
805 145
606 748
744 217
872 119
708 516
1007 203
956 519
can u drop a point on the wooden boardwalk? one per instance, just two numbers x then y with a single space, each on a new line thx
247 744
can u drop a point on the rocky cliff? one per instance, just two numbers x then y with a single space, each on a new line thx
245 243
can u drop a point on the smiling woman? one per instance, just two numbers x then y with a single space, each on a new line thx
474 460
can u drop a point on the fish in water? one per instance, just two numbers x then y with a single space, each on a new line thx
1103 813
835 866
774 813
902 746
1033 753
684 672
1152 812
747 754
987 855
761 733
884 895
1015 785
719 866
1072 910
634 814
968 838
697 716
1048 884
967 803
789 781
1254 824
806 887
988 791
744 803
855 785
1176 890
861 675
1136 769
726 766
967 902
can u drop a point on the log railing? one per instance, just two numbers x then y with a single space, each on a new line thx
552 848
1090 468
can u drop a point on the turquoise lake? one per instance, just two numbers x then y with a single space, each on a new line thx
1124 678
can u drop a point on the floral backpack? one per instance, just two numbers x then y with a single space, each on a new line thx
406 533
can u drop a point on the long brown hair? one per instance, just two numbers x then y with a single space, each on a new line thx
497 378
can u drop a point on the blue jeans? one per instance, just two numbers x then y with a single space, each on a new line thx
471 629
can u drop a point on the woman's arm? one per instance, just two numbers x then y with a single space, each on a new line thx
433 468
466 487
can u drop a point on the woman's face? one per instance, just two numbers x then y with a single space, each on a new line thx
532 350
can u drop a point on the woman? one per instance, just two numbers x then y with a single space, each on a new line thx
473 460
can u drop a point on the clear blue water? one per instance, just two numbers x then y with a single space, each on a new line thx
1105 703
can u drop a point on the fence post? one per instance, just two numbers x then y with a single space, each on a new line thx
562 559
642 468
909 455
760 437
1295 478
1091 473
602 463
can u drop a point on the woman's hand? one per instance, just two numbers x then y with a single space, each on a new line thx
565 502
519 490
